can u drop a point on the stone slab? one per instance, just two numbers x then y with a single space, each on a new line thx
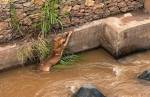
8 56
85 37
126 33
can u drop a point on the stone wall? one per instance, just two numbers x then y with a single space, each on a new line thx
73 13
80 13
27 13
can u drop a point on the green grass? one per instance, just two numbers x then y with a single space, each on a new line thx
40 47
15 24
67 61
50 17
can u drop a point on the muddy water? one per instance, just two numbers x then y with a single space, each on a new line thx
115 78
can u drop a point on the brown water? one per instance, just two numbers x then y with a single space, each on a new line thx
115 78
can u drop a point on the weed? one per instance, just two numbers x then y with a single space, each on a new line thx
67 61
15 24
36 49
50 16
42 48
25 53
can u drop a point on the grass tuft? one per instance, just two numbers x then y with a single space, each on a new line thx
25 53
42 48
67 61
50 17
39 49
15 24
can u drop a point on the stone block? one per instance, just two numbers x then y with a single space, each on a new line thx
8 56
85 37
125 34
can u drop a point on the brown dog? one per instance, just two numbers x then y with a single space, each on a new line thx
59 44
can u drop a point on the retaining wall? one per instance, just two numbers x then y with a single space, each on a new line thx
72 12
119 35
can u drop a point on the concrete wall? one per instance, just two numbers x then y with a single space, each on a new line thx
119 35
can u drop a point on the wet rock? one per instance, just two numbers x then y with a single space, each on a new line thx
145 75
88 91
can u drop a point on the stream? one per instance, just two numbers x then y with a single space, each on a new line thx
114 78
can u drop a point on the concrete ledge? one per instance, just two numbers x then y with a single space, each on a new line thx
8 56
86 37
127 33
120 35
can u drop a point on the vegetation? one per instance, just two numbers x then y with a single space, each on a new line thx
41 47
67 60
25 53
50 17
15 24
36 50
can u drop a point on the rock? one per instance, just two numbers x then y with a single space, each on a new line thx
147 5
18 6
98 6
125 9
27 21
89 2
122 4
3 26
66 9
5 36
27 4
20 14
38 2
4 1
88 91
76 7
145 75
114 9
